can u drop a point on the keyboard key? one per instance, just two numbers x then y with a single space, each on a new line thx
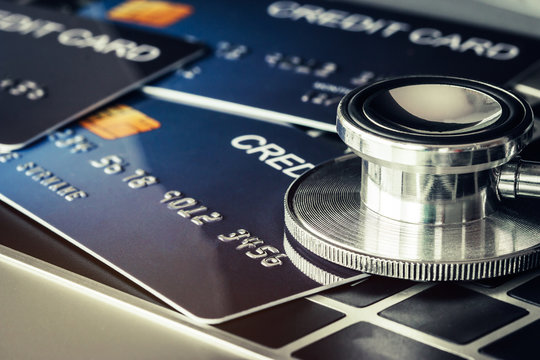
494 282
367 341
282 324
369 291
530 291
453 312
522 344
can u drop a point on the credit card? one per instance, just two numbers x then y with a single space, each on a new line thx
186 202
294 60
55 68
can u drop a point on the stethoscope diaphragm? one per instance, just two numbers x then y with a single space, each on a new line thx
420 198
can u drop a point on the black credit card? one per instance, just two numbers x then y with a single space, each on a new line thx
55 68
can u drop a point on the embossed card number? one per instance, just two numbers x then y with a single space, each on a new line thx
27 88
176 207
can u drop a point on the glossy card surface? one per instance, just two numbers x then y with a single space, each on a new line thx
156 190
298 58
55 68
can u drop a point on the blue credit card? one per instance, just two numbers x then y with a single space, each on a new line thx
294 60
186 202
55 68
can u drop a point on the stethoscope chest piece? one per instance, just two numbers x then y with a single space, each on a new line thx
421 198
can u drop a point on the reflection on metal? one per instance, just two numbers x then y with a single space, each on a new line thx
427 198
423 200
519 178
325 214
434 109
314 272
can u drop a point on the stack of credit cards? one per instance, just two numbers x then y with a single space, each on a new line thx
173 197
294 60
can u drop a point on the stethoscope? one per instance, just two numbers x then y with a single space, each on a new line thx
423 195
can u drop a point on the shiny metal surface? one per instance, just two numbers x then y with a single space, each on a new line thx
519 178
312 271
433 109
436 140
324 212
422 201
430 145
427 198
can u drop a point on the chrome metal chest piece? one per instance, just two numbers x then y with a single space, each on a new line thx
423 198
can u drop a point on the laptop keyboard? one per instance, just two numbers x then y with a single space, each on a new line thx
383 318
453 313
529 291
369 291
521 344
368 341
277 326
